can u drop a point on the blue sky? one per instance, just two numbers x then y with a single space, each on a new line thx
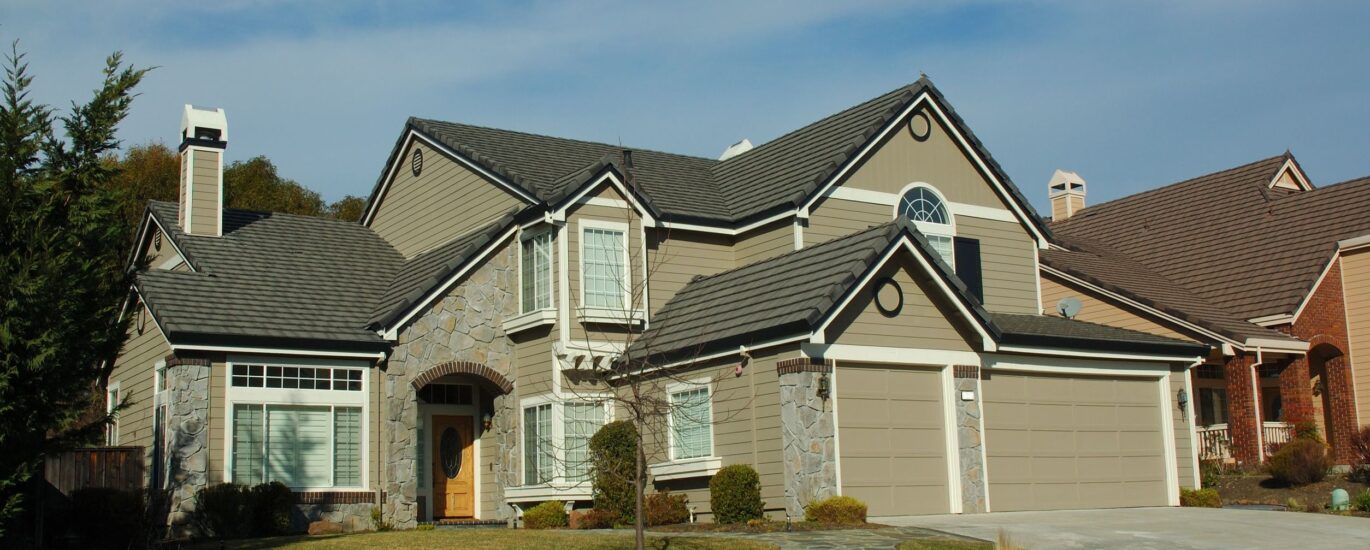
1131 95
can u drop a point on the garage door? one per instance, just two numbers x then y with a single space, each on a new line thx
892 439
1059 442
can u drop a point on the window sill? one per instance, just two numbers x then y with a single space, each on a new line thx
529 320
610 316
549 491
681 469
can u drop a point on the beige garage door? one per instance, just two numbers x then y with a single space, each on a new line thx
893 447
1058 442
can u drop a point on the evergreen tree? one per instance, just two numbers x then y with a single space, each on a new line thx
63 244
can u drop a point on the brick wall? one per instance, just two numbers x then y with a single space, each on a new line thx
1323 325
1242 426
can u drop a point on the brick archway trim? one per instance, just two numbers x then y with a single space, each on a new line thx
463 367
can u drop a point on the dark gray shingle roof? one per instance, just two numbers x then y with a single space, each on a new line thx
272 277
422 273
1052 331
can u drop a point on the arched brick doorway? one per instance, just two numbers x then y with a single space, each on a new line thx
459 408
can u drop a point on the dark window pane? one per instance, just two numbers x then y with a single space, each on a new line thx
273 382
239 380
273 371
240 370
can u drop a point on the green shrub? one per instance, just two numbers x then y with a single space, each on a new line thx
425 527
1307 429
735 494
1200 498
1209 471
378 522
1362 501
840 509
548 515
592 519
665 508
222 511
1300 462
113 518
613 457
1360 446
271 505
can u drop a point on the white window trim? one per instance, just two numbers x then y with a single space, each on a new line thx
930 229
679 387
112 431
558 483
526 235
535 318
283 396
626 313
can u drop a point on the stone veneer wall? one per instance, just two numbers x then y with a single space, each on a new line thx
809 446
970 440
187 439
465 325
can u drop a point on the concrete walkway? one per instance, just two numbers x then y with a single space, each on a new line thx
1154 528
882 539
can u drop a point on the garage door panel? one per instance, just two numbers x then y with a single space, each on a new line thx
892 436
1076 442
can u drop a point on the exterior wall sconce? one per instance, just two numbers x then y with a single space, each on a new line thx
1183 397
824 387
486 421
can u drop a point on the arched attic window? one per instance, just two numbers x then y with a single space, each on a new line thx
925 207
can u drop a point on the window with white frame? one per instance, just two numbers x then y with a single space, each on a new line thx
691 423
582 421
112 402
299 424
159 411
604 281
535 272
924 206
537 444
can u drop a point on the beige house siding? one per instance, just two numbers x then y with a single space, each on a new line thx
533 361
1097 310
833 217
765 242
133 371
675 257
1184 442
1355 280
445 201
489 485
575 221
205 203
218 424
920 323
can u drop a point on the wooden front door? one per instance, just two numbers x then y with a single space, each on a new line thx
454 465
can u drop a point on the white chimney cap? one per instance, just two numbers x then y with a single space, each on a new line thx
1064 181
736 149
195 118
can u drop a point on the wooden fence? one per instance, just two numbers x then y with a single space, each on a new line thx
111 467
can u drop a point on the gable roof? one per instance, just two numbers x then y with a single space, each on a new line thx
277 279
745 306
424 272
1229 238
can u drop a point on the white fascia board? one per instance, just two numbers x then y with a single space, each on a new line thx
412 135
1110 355
1303 303
722 354
728 230
1281 346
575 200
881 354
1138 305
375 355
818 335
392 332
1353 243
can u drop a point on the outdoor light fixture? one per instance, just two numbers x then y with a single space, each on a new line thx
485 420
823 389
1183 397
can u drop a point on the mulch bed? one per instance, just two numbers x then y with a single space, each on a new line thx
767 527
1261 489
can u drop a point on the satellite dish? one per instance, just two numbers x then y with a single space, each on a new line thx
1069 307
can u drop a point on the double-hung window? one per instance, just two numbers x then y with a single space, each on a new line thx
582 421
604 266
691 422
112 397
556 440
299 425
537 444
535 272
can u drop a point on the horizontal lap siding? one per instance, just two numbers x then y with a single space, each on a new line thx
445 201
1008 263
920 323
133 371
765 242
1355 280
1097 310
833 218
1184 443
533 355
205 202
218 381
676 257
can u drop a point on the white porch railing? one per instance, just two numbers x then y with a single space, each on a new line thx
1276 434
1214 442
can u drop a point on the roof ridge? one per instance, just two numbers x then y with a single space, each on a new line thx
270 212
561 138
777 139
1139 194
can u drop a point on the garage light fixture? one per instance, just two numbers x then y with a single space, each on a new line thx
824 390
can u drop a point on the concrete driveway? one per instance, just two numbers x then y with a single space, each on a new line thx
1158 528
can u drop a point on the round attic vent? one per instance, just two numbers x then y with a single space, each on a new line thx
920 127
416 162
889 298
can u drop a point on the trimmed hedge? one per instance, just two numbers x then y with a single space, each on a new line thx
735 494
270 505
548 515
1200 498
593 519
613 456
665 508
842 510
231 510
1300 462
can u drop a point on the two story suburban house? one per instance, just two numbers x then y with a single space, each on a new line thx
852 308
1270 271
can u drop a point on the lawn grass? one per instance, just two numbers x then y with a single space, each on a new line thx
483 539
945 544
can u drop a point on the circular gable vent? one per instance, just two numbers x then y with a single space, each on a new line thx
416 162
920 127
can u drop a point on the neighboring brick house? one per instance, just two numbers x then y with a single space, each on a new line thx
852 308
1253 249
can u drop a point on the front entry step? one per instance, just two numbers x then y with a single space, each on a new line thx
469 523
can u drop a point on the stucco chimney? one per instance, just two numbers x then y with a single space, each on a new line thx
204 136
1067 193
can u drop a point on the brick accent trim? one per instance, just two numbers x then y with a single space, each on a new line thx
172 361
335 497
463 367
804 364
966 371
